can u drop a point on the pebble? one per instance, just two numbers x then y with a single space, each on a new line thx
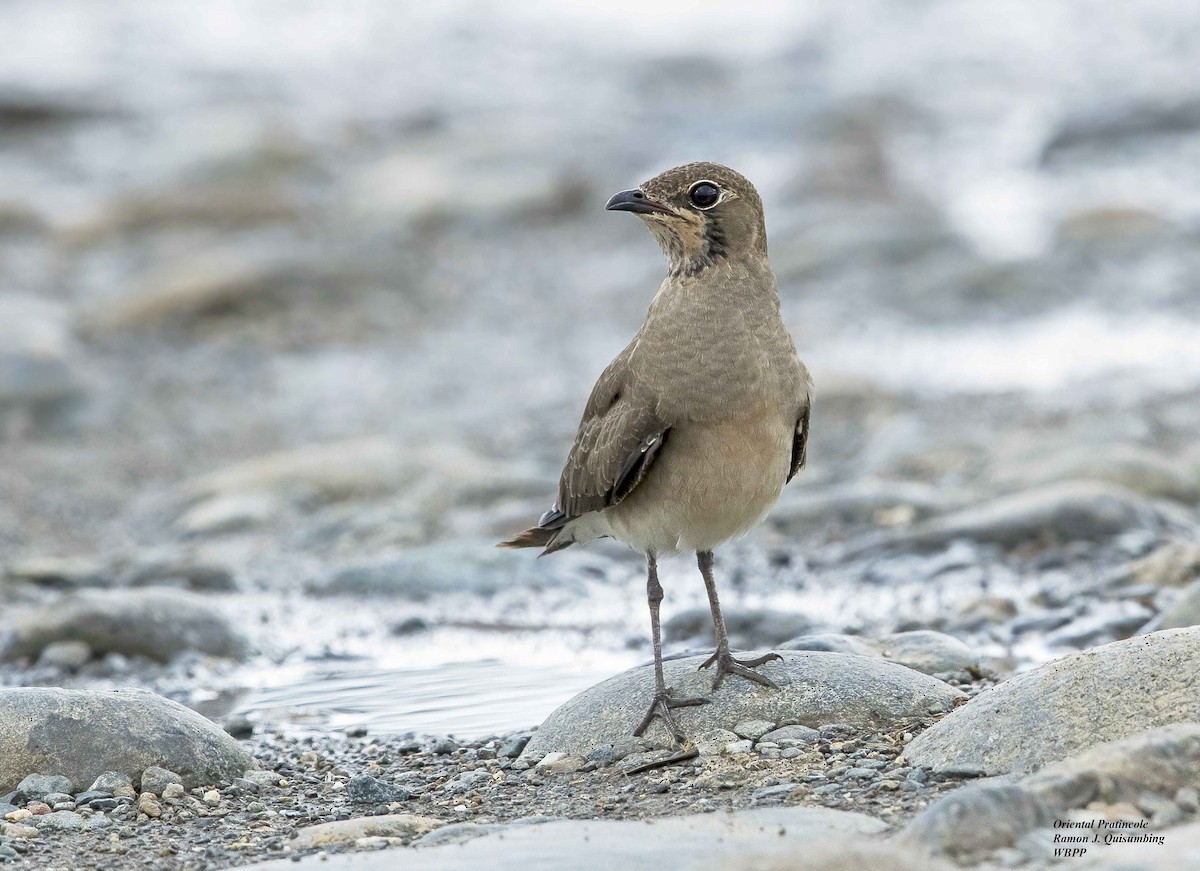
735 748
60 821
110 782
792 735
753 729
155 779
212 798
148 804
36 786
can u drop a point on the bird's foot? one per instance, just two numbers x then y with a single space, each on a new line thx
661 707
727 665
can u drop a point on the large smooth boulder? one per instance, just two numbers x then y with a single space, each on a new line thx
815 689
82 733
1069 705
154 623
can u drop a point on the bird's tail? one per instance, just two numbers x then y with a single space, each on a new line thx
540 536
535 537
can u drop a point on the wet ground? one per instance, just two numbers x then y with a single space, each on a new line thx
293 291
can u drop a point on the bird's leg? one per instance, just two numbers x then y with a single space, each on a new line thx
724 661
663 702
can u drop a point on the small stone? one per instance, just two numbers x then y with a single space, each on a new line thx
713 741
173 791
602 756
35 786
365 789
445 746
15 830
792 735
212 798
86 798
54 798
18 815
60 821
111 781
1188 799
264 778
239 726
155 779
37 808
247 786
772 794
736 748
790 752
513 748
68 655
753 729
148 804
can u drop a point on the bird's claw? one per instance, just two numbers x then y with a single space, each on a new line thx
661 707
727 665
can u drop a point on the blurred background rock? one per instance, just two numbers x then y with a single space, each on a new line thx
301 300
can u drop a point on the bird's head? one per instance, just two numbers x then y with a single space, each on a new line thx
700 213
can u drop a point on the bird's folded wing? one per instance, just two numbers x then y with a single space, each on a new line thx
619 439
800 440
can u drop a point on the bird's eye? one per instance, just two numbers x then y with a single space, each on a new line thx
704 194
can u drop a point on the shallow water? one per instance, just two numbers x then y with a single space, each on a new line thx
469 699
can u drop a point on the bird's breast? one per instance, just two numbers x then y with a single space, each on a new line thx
713 482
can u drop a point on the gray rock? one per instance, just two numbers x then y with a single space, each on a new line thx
69 655
58 573
753 729
36 787
264 779
199 577
928 651
475 567
741 839
84 733
1185 611
155 779
154 623
1066 706
815 688
923 650
792 736
1075 510
111 781
58 821
365 789
1175 564
37 363
832 642
1158 761
976 820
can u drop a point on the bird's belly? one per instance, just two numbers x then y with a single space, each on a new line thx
712 483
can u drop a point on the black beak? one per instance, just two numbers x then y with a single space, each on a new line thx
635 201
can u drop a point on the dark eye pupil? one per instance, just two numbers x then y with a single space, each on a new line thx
704 195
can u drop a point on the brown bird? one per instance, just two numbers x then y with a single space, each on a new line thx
693 430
